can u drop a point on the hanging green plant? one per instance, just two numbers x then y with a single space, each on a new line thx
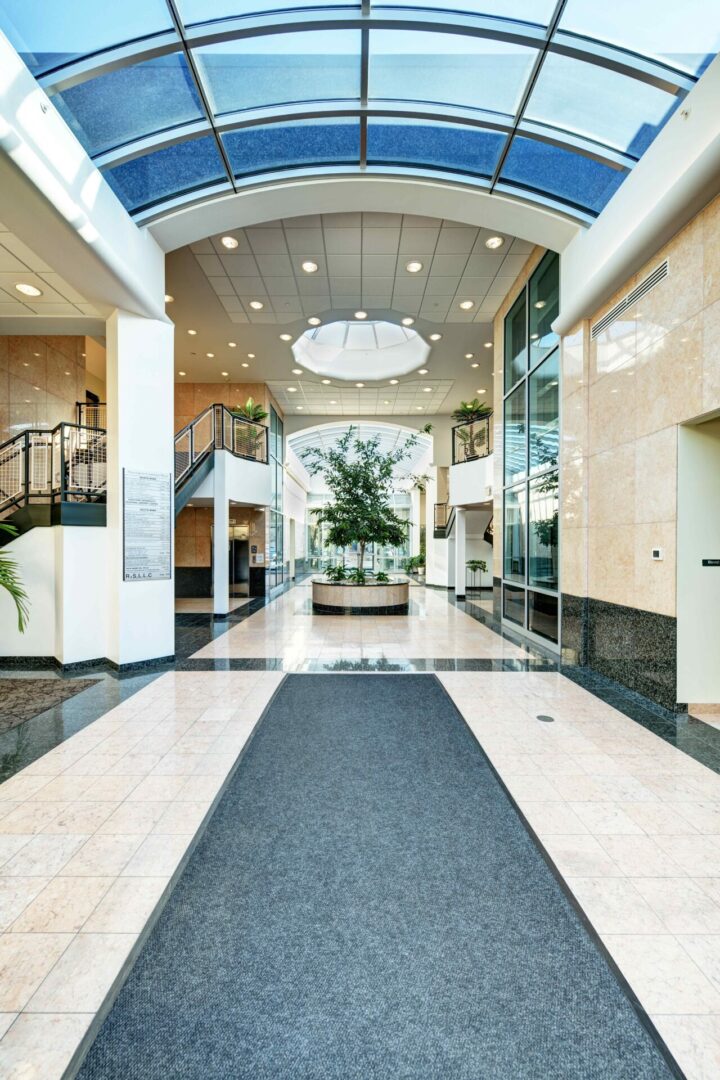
251 410
468 411
10 581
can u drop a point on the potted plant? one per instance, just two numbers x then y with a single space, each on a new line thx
10 581
476 566
247 437
468 412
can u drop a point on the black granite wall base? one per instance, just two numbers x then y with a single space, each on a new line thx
193 581
497 597
636 648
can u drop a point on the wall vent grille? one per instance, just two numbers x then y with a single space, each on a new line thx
659 274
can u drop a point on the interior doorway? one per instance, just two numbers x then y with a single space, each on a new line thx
239 555
698 565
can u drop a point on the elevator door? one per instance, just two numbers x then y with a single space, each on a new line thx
239 567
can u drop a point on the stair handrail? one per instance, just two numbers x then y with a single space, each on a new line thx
42 464
226 431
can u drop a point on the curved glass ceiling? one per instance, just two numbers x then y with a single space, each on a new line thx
181 100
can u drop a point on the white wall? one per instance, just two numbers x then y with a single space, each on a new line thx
437 556
471 482
478 548
245 481
698 586
63 570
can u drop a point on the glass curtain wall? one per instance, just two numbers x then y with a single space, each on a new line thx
276 555
321 554
530 479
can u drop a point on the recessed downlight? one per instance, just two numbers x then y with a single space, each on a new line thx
475 364
359 384
244 364
481 391
257 305
225 374
414 266
192 333
393 382
333 401
408 321
168 298
309 267
292 389
232 344
299 406
386 402
420 407
488 345
313 321
28 290
468 355
494 242
229 242
251 356
435 337
422 371
361 314
297 371
286 337
467 305
540 304
326 382
210 355
427 389
182 373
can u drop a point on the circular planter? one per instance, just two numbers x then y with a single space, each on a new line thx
371 599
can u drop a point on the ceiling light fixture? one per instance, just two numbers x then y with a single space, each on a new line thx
386 402
313 321
229 242
423 371
435 337
192 332
292 389
232 344
326 382
168 298
297 371
286 337
494 242
225 374
360 384
182 373
361 314
28 290
244 364
333 401
466 305
309 267
427 389
299 406
540 304
420 407
251 356
414 267
210 355
475 364
393 382
481 391
257 305
468 356
407 321
488 344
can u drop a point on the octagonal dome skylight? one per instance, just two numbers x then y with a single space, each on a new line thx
354 350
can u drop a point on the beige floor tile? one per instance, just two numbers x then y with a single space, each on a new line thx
157 855
43 855
694 1041
681 904
640 856
25 960
580 855
84 974
127 906
31 817
182 818
662 974
603 818
157 789
6 1019
10 844
15 894
81 818
614 906
102 856
133 818
699 856
63 906
552 819
40 1047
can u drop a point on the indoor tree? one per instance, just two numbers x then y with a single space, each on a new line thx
360 478
246 437
10 581
467 413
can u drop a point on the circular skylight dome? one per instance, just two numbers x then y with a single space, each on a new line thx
360 350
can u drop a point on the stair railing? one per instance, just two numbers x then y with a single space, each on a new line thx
216 428
65 464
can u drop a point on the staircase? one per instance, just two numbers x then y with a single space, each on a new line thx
216 428
443 521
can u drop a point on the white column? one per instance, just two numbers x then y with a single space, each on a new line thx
291 547
141 614
221 524
415 521
459 552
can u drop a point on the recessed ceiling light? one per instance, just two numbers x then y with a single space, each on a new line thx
466 305
420 407
540 304
481 391
225 374
229 242
333 401
435 337
297 371
299 406
468 356
313 321
210 355
168 298
192 332
232 344
309 267
386 402
423 371
361 314
25 363
67 373
359 383
182 373
28 290
494 242
534 337
393 382
407 321
326 382
414 267
257 305
244 364
251 356
286 337
475 364
292 389
488 344
427 389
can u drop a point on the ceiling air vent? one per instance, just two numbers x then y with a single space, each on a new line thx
659 274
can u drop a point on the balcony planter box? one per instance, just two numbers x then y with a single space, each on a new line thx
344 598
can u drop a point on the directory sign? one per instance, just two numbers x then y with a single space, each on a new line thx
147 526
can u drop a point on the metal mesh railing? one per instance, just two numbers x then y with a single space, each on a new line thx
472 440
218 428
92 414
68 463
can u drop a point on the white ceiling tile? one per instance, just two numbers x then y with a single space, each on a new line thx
408 286
381 221
456 241
252 287
13 307
417 242
309 221
436 306
343 241
407 305
62 288
22 252
439 286
377 284
211 264
267 241
287 305
500 286
305 242
281 286
223 286
378 304
448 266
475 286
53 308
273 266
9 262
483 265
521 247
313 285
238 317
512 265
379 265
315 305
344 265
380 241
346 286
238 266
349 301
231 303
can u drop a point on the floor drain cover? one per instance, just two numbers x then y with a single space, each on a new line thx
546 719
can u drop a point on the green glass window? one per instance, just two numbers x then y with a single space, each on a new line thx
514 522
515 438
516 342
543 532
544 409
544 307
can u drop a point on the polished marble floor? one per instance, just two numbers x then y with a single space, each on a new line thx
94 832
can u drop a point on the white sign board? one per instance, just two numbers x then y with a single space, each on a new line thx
147 526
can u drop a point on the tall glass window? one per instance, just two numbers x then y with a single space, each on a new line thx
531 419
276 554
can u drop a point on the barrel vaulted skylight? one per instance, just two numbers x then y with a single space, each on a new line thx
181 100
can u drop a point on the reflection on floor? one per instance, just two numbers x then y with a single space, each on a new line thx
204 604
93 832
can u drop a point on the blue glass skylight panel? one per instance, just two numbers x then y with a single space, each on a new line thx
531 11
193 12
598 103
456 147
48 33
570 177
280 69
128 103
177 169
447 69
685 35
295 144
